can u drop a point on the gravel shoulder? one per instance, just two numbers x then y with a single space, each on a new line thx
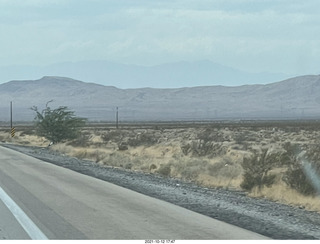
272 219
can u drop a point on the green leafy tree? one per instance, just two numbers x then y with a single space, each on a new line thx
58 124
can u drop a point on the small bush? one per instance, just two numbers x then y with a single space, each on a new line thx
97 156
114 135
186 148
209 134
117 160
202 148
152 167
256 170
128 166
123 146
214 169
81 154
188 169
295 176
164 169
193 168
143 139
240 138
296 179
208 143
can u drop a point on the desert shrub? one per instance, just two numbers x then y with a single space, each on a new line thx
113 135
202 148
128 166
208 143
296 179
192 168
152 167
142 163
122 146
210 134
214 169
188 169
186 148
97 155
143 139
313 154
117 160
290 155
240 138
295 176
256 170
164 169
81 154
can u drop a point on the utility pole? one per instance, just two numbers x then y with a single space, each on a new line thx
11 114
117 118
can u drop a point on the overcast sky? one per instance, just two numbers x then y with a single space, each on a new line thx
251 35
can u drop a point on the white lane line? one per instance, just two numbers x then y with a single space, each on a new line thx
32 230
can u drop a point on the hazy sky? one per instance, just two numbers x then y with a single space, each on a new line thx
252 35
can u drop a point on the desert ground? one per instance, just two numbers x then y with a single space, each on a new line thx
259 157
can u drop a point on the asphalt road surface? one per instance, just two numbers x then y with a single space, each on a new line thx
39 200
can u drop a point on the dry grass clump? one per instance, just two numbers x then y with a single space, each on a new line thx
22 138
118 160
92 154
281 192
188 168
164 169
4 136
226 169
207 172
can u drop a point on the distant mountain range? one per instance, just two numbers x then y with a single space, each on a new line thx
170 75
297 97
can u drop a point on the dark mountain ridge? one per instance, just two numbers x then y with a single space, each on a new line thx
294 98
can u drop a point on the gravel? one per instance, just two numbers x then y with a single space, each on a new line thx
272 219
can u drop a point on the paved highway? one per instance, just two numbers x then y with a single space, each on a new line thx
9 226
39 200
